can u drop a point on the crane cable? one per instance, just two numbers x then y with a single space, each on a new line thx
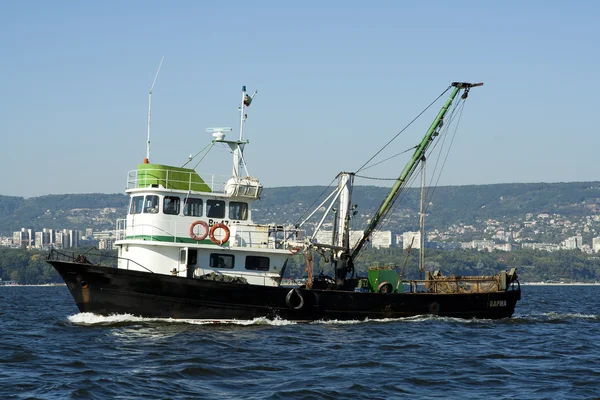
460 104
403 129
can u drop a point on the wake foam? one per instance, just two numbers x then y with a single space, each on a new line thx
90 319
417 318
554 315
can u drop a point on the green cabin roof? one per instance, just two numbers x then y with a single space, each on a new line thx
154 175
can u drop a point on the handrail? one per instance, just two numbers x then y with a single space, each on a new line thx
482 278
457 284
215 182
173 230
56 255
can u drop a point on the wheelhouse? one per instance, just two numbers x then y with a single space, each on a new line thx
186 206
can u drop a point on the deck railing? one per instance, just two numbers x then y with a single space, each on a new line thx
482 284
461 284
93 257
252 236
182 180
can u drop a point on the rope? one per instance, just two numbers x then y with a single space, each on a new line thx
400 196
195 155
444 132
314 202
376 179
448 152
205 154
410 181
403 129
459 106
389 158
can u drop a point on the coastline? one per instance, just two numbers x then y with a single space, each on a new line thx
39 284
560 283
522 284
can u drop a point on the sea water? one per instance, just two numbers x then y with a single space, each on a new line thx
549 349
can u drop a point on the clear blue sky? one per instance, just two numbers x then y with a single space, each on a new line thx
336 80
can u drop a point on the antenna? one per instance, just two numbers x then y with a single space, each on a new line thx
147 159
246 101
238 151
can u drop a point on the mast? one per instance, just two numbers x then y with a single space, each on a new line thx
345 183
237 159
412 164
147 159
238 151
422 222
342 226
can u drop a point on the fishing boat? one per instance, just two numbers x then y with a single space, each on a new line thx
189 248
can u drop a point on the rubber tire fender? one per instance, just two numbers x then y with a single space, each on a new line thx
288 299
385 287
434 308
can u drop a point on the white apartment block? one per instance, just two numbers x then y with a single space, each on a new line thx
596 244
412 239
383 239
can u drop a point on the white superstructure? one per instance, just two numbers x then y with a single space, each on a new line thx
183 225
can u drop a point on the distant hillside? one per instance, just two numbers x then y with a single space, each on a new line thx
447 205
68 211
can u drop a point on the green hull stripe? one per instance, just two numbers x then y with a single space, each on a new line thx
170 239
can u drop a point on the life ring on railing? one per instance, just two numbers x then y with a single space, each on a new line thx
294 250
203 235
212 233
292 304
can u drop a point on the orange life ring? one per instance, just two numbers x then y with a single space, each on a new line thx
212 233
203 235
294 250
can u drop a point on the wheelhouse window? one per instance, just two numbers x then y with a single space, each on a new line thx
221 260
151 204
238 210
257 263
137 203
192 207
215 208
171 205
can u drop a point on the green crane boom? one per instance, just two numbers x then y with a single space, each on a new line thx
412 164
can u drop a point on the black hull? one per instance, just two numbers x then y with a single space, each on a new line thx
105 290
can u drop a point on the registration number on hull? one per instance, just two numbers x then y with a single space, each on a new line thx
497 303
